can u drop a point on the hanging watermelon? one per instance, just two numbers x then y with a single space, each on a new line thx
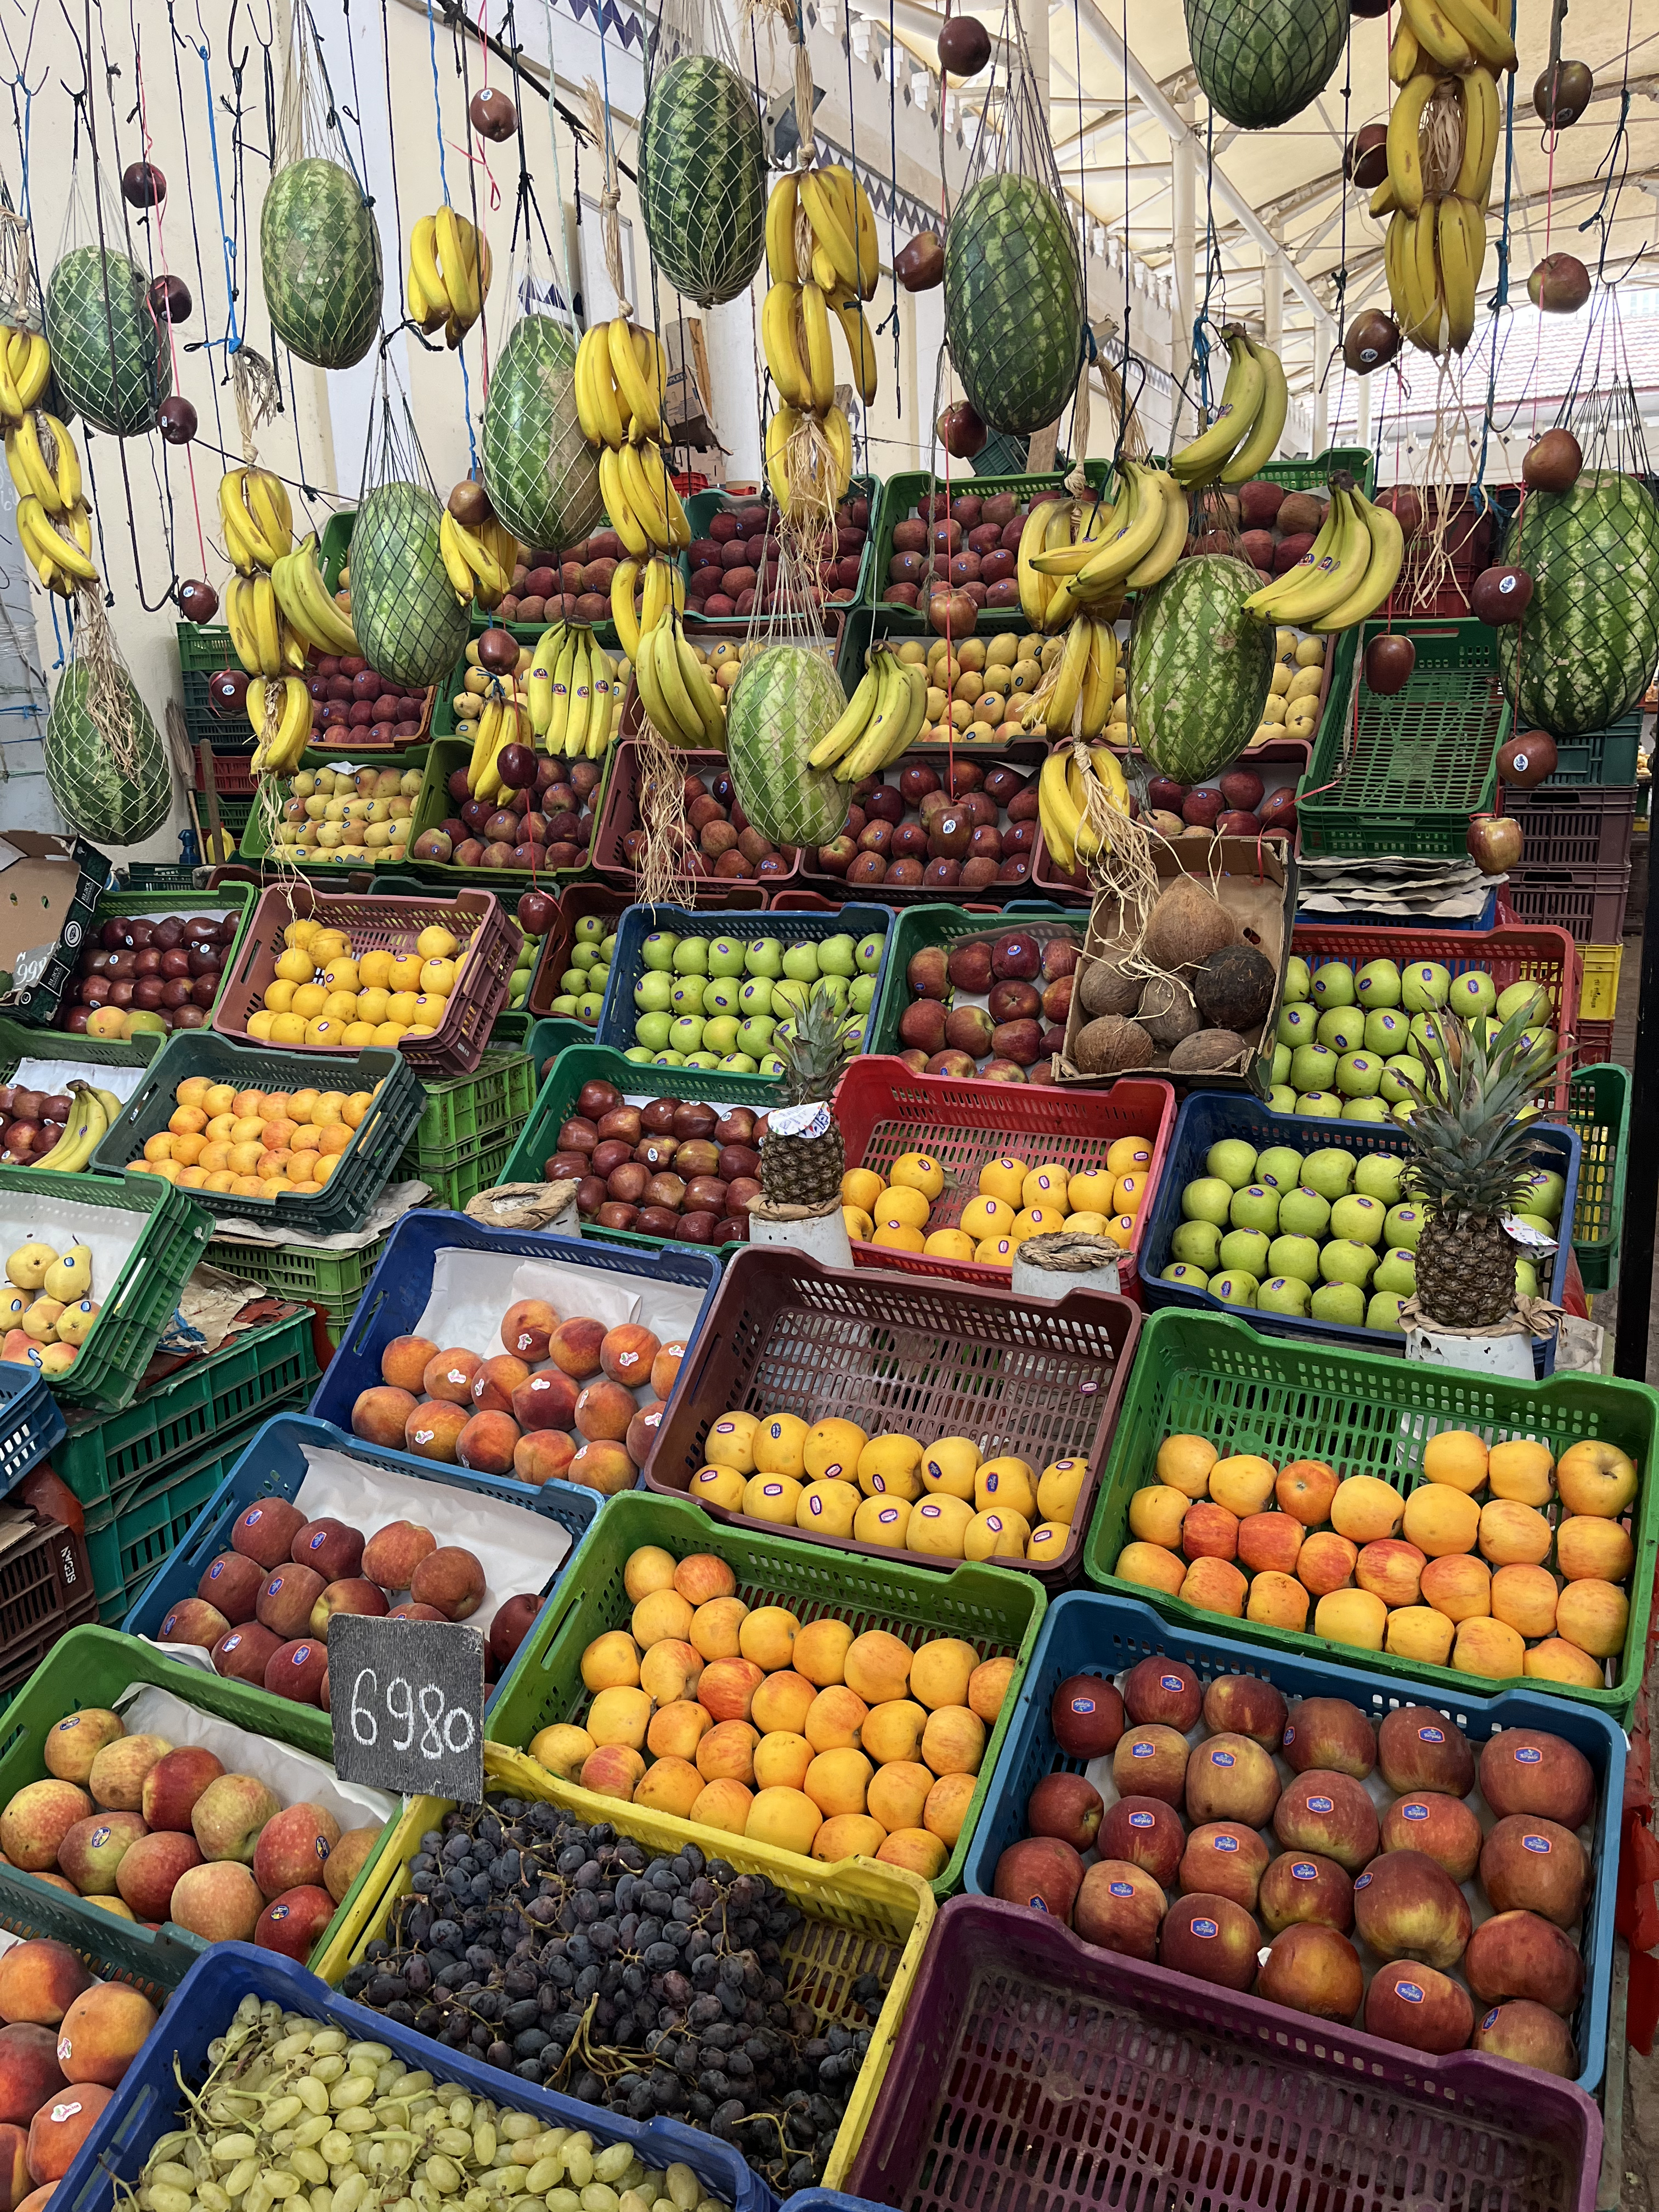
541 474
1199 667
109 358
702 178
408 623
783 703
319 254
1260 62
106 767
1584 652
1013 301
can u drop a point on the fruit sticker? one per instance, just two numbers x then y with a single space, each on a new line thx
1206 1929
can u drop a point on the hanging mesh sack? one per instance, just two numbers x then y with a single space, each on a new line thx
408 623
1014 273
110 358
319 247
702 163
107 767
1261 62
541 474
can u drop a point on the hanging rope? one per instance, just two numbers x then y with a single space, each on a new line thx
599 123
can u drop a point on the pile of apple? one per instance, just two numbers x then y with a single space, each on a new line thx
65 2047
153 1834
568 1399
342 813
1379 1876
737 561
1500 1562
718 839
571 586
993 1005
263 1608
808 1736
1237 804
670 1168
582 985
548 826
148 973
348 696
961 552
956 827
719 1002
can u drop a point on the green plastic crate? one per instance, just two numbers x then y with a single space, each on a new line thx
997 1611
330 1283
253 825
701 507
129 1538
1598 1108
549 1036
204 648
155 1967
915 928
1363 1414
465 1109
335 546
434 806
18 1044
260 1372
1408 777
237 899
139 1304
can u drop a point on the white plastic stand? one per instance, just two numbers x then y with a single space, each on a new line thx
1030 1281
821 1236
1479 1355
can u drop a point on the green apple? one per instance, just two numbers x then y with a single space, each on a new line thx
1546 1193
1303 1212
639 1054
801 962
1359 1220
1207 1198
1526 1280
1382 1310
1365 1110
1284 1294
1341 1303
1279 1168
1330 1171
1542 1042
608 947
754 995
692 956
1537 1224
1423 985
1297 980
705 1059
1236 1289
870 952
1379 1176
1198 1244
1332 985
862 996
685 995
720 1034
590 1007
1281 1065
653 991
667 1058
1255 1206
838 956
651 1031
1312 1067
1377 984
1343 1029
1386 1031
1233 1160
1426 1036
788 997
658 949
1321 1105
1403 1226
1295 1255
765 956
1244 1250
565 1007
584 956
721 995
590 929
772 1063
853 1031
1341 1261
1397 1271
1519 996
575 979
686 1033
1281 1098
1472 994
725 955
1403 1075
1298 1025
1359 1075
739 1063
834 988
754 1036
1192 1279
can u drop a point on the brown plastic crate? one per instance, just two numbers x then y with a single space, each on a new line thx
1586 826
391 925
1037 1377
622 813
1588 903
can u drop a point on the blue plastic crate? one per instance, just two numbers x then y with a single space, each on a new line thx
1088 1632
274 1466
1487 918
616 1015
397 1295
147 2103
829 2200
31 1424
1207 1117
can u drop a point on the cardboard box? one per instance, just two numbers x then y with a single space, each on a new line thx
1257 886
49 887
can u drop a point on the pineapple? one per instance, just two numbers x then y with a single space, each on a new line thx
807 1170
1469 1151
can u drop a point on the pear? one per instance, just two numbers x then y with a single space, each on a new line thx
28 1265
69 1279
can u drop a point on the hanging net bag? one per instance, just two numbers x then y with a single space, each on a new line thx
1260 62
106 766
702 162
540 473
110 358
1013 272
319 247
408 622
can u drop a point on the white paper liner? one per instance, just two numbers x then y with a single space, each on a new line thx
471 1292
54 1077
295 1777
108 1232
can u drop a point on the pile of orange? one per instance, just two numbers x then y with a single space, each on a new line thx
911 1210
322 996
253 1144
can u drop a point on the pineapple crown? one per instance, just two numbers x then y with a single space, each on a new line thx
1470 1144
817 1050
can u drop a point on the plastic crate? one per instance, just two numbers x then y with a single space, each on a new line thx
946 923
552 1035
490 936
617 1017
134 1309
154 1970
863 626
1031 2068
883 1110
1602 756
1588 903
1087 1631
1587 827
31 1424
328 1281
1598 1108
162 876
129 1538
367 1163
701 507
401 1281
1410 771
18 1044
1598 991
1041 1378
1510 955
434 807
233 773
611 901
996 1612
334 552
45 1586
203 649
468 1126
899 494
1207 1116
622 802
1199 1374
255 823
248 1378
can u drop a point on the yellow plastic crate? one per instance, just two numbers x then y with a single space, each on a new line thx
1598 994
861 1917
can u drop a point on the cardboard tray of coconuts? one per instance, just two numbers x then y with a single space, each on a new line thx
1196 996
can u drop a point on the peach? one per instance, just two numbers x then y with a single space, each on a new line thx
244 1654
782 1701
392 1553
1041 1873
1149 1566
38 2199
662 1616
1528 2034
1365 1510
1418 2007
574 1347
1597 1478
1211 1938
1520 1469
1119 1908
716 1628
1417 1631
1311 1968
727 1686
74 1743
897 1794
294 1847
294 1924
1488 1647
1157 1514
953 1741
149 1871
1589 1550
916 1849
220 1901
1325 1563
627 1353
380 1415
1513 1535
603 1465
766 1636
670 1670
1304 1490
448 1374
1230 1778
451 1578
611 1661
405 1360
1215 1586
724 1804
1528 1771
786 1818
1243 1484
702 1577
286 1600
838 1781
1441 1520
117 1779
489 1443
1209 1531
333 1548
1224 1858
820 1653
37 1820
16 2180
677 1729
62 2126
1593 1616
1442 1828
545 1401
1351 1617
1301 1887
1185 1461
1534 1865
527 1327
1552 1660
103 2031
727 1752
193 1620
562 1750
1278 1601
1330 1735
433 1430
227 1817
604 1410
173 1785
348 1858
665 1368
1524 1599
1458 1587
1456 1457
496 1380
1406 1906
1270 1543
265 1529
612 1770
39 1981
298 1670
1391 1571
1517 1954
1146 1832
29 2072
619 1716
670 1785
1150 1762
545 1456
781 1759
849 1835
949 1803
1329 1814
876 1667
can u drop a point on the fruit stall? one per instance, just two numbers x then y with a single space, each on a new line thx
825 1263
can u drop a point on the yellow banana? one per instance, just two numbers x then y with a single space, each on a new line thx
859 344
1487 39
603 402
1425 280
839 432
42 482
1326 583
1384 200
624 578
458 252
1387 553
1057 810
267 627
1459 274
1060 707
643 481
1128 545
1262 443
779 432
1171 540
563 678
538 678
1482 131
11 399
32 377
267 505
614 492
849 726
864 216
1318 557
779 317
1404 54
1404 128
780 265
1035 589
1202 459
428 292
1438 37
457 567
874 745
66 462
581 697
820 360
698 688
821 202
637 395
47 544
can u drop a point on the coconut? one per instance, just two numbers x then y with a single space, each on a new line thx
1167 1012
1299 511
1187 924
1206 1052
1111 1045
1234 988
1105 988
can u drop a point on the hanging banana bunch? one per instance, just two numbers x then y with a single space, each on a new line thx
1082 555
53 525
572 700
25 371
280 710
449 272
1347 572
302 597
621 378
1079 789
882 720
479 551
1074 698
821 262
256 518
1444 134
1249 418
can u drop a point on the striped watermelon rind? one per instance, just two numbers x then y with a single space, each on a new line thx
1199 667
702 178
112 804
408 623
1260 62
542 476
1585 650
94 298
319 258
783 703
1013 302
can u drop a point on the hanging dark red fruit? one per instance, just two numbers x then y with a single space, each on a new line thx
1406 508
1558 105
143 185
227 693
498 650
1366 161
536 913
1390 660
170 300
494 116
1560 284
175 418
964 46
1526 760
470 504
197 601
1552 462
961 432
1370 341
1500 596
516 767
1494 842
919 265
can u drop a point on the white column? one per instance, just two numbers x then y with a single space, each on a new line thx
1185 194
1324 337
1272 301
1363 410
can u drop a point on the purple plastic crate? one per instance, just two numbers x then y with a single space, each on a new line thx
1030 2071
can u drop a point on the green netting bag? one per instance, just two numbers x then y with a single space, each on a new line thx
702 160
107 767
1260 62
109 355
408 623
320 245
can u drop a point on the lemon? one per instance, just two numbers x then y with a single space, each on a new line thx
732 1442
1131 1194
718 1486
949 1466
772 1497
995 1252
859 1227
862 1188
949 1245
902 1207
894 1238
1129 1155
987 1217
1058 1487
1003 1178
1046 1186
884 1521
938 1527
889 1466
828 1508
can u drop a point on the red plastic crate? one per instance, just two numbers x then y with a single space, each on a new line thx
233 773
961 1122
1589 826
622 813
1521 952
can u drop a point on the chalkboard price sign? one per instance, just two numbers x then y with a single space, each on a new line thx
407 1703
